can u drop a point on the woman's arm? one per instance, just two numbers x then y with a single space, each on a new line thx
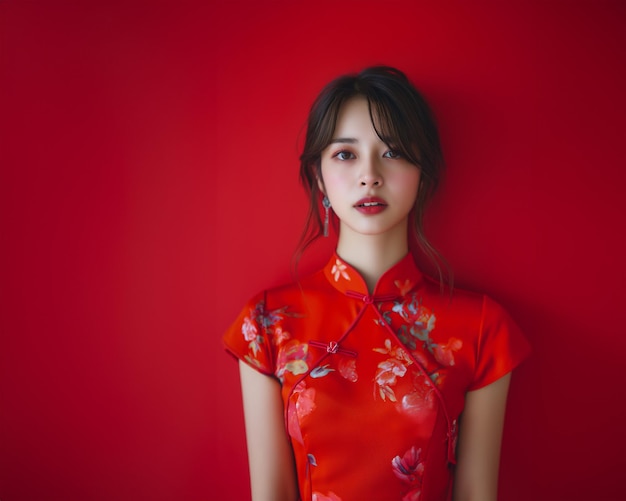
480 436
270 457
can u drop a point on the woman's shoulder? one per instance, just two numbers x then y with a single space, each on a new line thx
291 293
462 301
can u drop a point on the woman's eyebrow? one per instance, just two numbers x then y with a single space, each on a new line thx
349 140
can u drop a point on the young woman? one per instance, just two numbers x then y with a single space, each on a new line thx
368 380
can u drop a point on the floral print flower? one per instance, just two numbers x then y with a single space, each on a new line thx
403 286
301 405
420 403
292 358
251 334
347 368
249 330
444 353
339 270
395 351
409 468
386 376
280 336
305 403
389 370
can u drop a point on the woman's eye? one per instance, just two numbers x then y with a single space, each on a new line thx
392 154
344 155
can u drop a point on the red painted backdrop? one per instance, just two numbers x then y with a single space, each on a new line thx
148 187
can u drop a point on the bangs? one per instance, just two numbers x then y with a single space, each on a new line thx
393 125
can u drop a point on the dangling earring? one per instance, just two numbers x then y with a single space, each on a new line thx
326 204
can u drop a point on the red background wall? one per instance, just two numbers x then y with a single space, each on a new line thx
148 187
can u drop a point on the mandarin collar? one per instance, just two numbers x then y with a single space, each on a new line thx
397 281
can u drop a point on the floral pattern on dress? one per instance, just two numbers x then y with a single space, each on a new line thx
280 336
389 370
411 321
410 469
339 270
342 361
421 401
347 369
416 329
292 355
403 286
301 405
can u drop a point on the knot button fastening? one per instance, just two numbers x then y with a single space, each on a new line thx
332 347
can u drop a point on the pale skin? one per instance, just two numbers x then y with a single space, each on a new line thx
355 165
270 459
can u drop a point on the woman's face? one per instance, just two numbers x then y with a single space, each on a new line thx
371 188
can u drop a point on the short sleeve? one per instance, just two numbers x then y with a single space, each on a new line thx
501 345
247 340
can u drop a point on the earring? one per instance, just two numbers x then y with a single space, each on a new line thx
326 204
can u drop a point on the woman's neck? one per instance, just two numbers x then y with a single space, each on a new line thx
372 255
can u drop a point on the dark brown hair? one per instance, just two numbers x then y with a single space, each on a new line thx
401 118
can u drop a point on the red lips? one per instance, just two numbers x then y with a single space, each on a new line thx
371 205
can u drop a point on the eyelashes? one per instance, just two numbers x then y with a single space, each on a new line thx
392 154
344 155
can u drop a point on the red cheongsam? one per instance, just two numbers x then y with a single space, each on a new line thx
373 384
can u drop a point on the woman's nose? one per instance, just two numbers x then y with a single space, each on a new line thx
370 174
